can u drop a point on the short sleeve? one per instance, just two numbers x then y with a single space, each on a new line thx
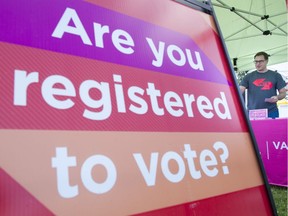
245 81
280 82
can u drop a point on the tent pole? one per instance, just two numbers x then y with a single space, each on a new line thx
244 28
236 12
248 21
274 15
264 6
230 8
277 27
249 36
275 33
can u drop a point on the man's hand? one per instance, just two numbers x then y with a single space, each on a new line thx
272 99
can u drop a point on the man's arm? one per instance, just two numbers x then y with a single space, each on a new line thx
280 96
242 89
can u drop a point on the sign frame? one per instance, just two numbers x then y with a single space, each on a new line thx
166 142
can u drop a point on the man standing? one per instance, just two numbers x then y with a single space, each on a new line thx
262 86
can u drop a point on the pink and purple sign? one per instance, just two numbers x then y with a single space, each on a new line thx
121 108
272 140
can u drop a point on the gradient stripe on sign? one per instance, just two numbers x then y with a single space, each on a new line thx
120 148
229 204
38 114
35 27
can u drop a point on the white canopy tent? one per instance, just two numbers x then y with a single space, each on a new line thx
250 26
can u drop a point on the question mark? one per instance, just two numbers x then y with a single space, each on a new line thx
224 156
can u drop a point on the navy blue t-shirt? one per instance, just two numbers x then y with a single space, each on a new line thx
261 86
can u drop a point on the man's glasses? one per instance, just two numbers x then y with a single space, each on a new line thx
260 61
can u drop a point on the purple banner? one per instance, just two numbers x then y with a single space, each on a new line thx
271 137
98 33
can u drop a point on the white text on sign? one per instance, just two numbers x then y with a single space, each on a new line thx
186 160
100 109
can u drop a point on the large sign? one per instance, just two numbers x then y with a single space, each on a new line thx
121 108
272 140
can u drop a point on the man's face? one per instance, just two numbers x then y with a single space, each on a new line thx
260 63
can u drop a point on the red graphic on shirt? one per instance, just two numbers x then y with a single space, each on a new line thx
261 82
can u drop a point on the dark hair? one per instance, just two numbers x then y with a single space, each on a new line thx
266 56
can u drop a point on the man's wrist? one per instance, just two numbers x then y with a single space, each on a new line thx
280 97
